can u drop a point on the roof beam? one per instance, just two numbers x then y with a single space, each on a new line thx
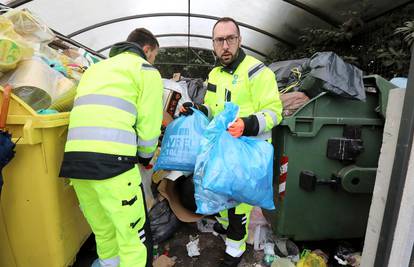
73 42
16 3
314 12
248 26
388 11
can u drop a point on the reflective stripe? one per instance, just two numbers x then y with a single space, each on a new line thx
211 87
147 143
271 114
112 262
264 136
234 248
145 155
262 122
148 67
256 69
102 134
106 100
209 114
282 187
141 233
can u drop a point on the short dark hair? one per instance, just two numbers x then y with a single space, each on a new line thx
226 19
143 37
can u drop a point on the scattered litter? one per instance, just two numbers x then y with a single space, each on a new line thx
346 255
193 247
340 261
282 262
354 259
286 248
256 218
205 225
164 261
269 251
311 259
261 234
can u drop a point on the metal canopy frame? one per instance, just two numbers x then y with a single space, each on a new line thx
322 16
187 35
174 14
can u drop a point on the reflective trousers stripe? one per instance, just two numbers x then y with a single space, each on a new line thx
234 248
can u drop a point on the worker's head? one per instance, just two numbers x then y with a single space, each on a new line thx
226 40
147 41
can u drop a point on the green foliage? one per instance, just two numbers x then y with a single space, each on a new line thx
378 47
193 63
407 31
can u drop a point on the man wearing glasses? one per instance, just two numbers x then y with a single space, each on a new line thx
247 82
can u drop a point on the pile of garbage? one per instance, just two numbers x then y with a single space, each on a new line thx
42 69
300 80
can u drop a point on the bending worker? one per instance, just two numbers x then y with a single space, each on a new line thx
115 123
248 83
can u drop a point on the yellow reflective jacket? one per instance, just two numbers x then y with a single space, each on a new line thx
116 116
248 83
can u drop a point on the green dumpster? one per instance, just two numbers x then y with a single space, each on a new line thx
326 155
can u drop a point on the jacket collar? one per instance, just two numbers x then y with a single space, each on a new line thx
231 68
121 47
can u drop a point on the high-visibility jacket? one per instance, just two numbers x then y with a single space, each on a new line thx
116 116
251 85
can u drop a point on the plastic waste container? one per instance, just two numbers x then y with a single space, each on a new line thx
326 155
42 221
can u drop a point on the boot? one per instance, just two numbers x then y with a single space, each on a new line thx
218 228
230 261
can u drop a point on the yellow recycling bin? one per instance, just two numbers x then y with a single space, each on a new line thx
40 211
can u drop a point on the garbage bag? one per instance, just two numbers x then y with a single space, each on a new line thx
185 190
285 76
328 72
239 168
163 221
181 143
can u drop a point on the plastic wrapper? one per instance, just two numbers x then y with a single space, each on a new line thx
175 94
13 47
240 168
37 84
29 26
181 142
311 259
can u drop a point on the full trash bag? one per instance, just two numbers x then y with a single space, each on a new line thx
163 221
239 168
181 143
326 71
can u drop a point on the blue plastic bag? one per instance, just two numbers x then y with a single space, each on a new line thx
239 168
181 142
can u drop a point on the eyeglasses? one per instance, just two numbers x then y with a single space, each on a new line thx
231 40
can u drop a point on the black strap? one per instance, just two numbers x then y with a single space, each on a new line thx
99 157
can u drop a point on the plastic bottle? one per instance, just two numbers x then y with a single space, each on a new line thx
269 251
